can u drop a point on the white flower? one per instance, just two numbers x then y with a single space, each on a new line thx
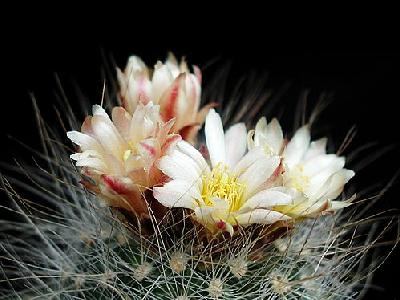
119 154
170 85
233 191
313 177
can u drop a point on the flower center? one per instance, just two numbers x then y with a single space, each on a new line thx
221 184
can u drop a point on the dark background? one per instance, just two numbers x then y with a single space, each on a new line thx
361 72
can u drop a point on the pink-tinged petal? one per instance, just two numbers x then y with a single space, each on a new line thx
149 151
120 186
177 193
123 193
197 72
162 79
297 146
144 123
260 216
203 112
169 101
257 174
87 126
189 132
170 143
193 91
267 199
122 121
215 138
235 144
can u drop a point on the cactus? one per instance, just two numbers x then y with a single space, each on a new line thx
72 244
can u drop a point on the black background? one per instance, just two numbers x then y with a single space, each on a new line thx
362 72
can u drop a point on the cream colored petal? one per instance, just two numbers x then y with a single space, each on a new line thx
122 121
108 136
297 147
95 163
162 79
86 154
267 199
235 144
84 141
260 216
257 174
318 180
335 184
177 193
336 205
215 138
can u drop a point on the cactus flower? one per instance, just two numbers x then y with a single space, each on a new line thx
232 190
170 85
313 177
119 155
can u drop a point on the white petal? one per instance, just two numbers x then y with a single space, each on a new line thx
317 180
261 216
235 143
316 148
177 165
94 163
215 138
259 133
321 163
84 141
297 146
257 174
204 214
250 158
267 199
177 193
274 136
192 152
99 111
336 205
334 185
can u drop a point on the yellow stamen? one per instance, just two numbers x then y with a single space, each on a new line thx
221 184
